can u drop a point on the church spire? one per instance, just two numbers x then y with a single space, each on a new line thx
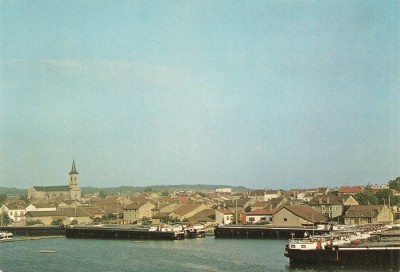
73 170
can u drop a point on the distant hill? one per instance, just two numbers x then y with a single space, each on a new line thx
161 188
137 189
13 191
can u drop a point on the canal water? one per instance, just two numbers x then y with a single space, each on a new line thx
202 254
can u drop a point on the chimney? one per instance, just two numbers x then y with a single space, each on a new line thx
328 200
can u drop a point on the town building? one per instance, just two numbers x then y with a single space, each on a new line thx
224 217
368 214
296 216
48 193
16 212
260 216
138 211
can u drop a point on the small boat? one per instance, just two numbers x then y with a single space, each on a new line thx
195 231
4 236
47 251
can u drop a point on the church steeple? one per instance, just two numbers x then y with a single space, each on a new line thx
73 170
75 191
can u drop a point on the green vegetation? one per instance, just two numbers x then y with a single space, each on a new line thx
394 184
107 218
169 220
368 197
5 219
57 222
34 222
12 191
102 194
3 198
160 188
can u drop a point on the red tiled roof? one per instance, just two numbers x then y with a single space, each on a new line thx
262 212
306 212
350 189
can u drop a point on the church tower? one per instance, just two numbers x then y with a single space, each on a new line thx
75 191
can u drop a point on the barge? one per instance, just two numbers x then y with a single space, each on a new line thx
337 249
126 233
263 232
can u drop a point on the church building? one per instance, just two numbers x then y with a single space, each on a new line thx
72 191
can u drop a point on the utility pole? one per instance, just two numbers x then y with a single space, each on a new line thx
236 213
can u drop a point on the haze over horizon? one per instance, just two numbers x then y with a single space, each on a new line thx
261 94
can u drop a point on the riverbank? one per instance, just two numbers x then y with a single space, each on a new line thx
24 238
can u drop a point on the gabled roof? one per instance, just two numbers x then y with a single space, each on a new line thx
306 212
207 215
75 212
262 212
260 204
184 209
45 213
44 205
14 206
92 211
350 189
366 211
51 188
136 206
325 200
257 193
225 211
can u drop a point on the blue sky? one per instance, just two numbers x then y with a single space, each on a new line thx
264 94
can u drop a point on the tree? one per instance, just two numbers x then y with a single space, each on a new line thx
102 194
57 222
165 194
3 198
169 220
394 184
25 199
366 198
383 196
34 222
148 189
109 217
5 219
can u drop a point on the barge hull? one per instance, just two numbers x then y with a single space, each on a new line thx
349 256
125 234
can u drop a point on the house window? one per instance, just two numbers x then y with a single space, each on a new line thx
330 208
323 208
285 219
251 219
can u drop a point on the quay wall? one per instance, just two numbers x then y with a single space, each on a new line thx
251 232
34 230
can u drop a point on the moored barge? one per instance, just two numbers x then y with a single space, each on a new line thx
127 233
332 250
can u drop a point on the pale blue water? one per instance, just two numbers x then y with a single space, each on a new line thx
205 254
